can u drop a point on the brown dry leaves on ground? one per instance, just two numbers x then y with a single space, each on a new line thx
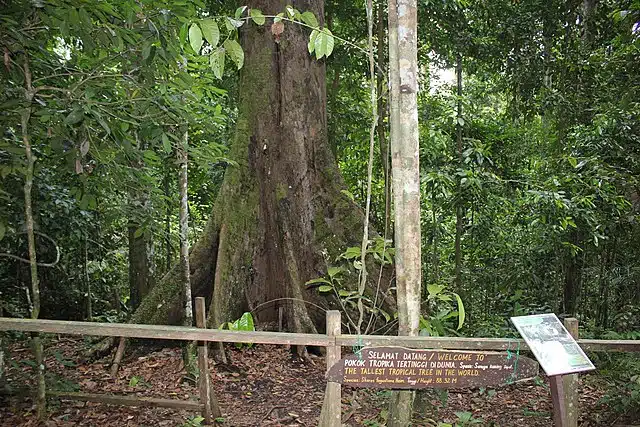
261 386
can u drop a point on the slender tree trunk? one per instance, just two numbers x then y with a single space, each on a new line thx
2 369
167 221
184 230
87 281
382 117
38 351
403 60
435 261
459 203
183 176
573 277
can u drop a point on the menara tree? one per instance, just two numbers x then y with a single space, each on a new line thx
281 214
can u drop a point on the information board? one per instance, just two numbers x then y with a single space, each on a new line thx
403 368
553 346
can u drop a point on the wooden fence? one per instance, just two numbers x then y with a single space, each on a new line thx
333 341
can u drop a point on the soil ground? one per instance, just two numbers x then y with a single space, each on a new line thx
261 386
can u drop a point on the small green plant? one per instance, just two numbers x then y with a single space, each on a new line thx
244 323
466 419
348 266
136 380
194 421
440 301
64 362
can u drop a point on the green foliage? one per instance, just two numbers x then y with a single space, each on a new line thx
321 41
194 421
341 279
440 306
244 323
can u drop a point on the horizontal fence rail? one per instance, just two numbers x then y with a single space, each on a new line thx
183 333
466 343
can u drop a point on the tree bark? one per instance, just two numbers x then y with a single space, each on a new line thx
280 216
184 230
403 64
573 276
382 117
38 351
167 220
281 208
140 280
459 205
185 279
87 280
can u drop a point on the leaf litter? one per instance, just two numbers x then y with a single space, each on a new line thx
264 385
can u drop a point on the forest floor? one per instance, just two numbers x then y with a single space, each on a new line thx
261 386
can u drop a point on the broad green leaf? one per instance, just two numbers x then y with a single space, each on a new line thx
182 35
434 290
146 51
138 232
246 322
84 147
316 281
351 252
74 117
291 11
195 38
240 11
312 41
324 43
235 52
325 288
257 16
232 24
210 31
332 271
310 19
134 381
330 42
166 144
320 45
461 313
84 201
278 17
216 62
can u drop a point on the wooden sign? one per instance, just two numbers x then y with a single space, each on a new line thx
403 368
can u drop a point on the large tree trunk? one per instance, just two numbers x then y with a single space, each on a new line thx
280 216
282 207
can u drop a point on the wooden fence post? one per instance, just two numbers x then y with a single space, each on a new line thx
556 383
331 415
571 397
211 410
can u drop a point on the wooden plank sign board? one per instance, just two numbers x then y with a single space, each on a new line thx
403 368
